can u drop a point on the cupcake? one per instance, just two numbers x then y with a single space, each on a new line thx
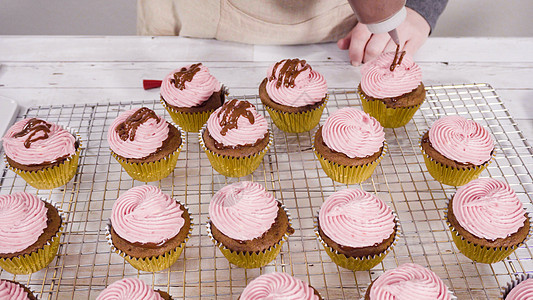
350 145
30 229
11 290
519 289
408 281
144 144
235 138
456 150
391 88
190 94
247 224
42 153
487 220
356 228
148 228
294 95
279 286
132 289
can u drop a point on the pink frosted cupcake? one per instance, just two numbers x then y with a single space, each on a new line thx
356 228
190 94
43 153
279 286
408 281
519 289
294 95
131 289
350 145
11 290
456 150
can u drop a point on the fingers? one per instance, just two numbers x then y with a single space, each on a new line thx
344 43
375 46
359 38
391 46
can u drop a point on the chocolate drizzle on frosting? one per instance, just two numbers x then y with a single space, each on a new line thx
128 128
33 127
397 61
184 75
288 73
231 111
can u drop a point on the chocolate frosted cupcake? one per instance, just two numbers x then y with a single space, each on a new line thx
235 138
487 220
279 286
43 153
132 289
30 229
190 94
519 289
148 228
456 150
356 228
408 281
391 88
144 144
350 145
11 290
247 224
294 95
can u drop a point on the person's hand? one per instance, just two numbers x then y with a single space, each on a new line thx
363 46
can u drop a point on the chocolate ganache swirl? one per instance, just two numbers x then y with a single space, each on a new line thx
129 289
278 286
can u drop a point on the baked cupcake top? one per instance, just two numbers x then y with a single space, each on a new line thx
488 208
144 214
137 133
355 218
379 81
243 210
461 140
189 86
12 291
409 281
237 123
34 141
278 286
353 132
22 220
523 291
292 82
129 289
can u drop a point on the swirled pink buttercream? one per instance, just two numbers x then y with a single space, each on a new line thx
488 208
245 133
523 291
292 82
22 220
278 286
379 81
461 140
196 91
46 145
144 214
129 289
12 291
243 210
353 132
409 282
149 136
355 218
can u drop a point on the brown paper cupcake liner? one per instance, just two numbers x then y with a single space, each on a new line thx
232 166
153 263
511 285
36 260
49 178
248 259
297 122
357 263
388 117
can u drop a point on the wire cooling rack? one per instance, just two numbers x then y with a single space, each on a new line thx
85 266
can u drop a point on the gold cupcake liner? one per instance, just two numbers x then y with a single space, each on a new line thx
248 259
297 122
349 174
357 263
36 260
511 285
49 178
153 263
232 166
388 117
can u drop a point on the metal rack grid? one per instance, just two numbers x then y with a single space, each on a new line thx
85 266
